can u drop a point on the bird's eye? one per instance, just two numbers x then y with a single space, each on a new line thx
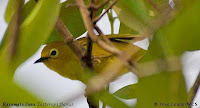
54 52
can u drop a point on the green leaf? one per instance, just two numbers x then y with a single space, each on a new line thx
157 50
37 27
124 29
182 34
11 93
133 13
166 87
178 36
156 7
33 32
6 38
108 99
11 8
27 9
127 92
55 36
72 18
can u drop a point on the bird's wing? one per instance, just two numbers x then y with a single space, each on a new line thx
119 41
102 57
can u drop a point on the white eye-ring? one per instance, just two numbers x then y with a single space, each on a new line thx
54 53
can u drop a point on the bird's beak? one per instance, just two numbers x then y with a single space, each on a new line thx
41 59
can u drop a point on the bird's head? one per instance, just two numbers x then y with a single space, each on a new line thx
55 55
52 51
59 57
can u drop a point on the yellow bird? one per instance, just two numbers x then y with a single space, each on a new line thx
59 57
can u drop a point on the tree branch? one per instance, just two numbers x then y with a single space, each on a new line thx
89 57
155 6
111 20
193 91
69 39
105 39
110 73
98 18
89 25
96 7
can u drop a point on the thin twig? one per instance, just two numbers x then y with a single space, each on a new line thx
193 91
69 39
89 25
96 7
105 39
89 58
111 20
110 73
155 6
72 5
98 18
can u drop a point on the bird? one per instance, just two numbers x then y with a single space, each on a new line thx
58 57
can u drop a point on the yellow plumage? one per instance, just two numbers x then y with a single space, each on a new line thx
59 57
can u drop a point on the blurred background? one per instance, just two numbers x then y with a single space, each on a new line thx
51 87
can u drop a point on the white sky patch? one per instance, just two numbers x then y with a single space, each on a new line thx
61 1
171 3
191 69
83 35
129 102
144 44
116 26
26 1
3 24
121 82
104 24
